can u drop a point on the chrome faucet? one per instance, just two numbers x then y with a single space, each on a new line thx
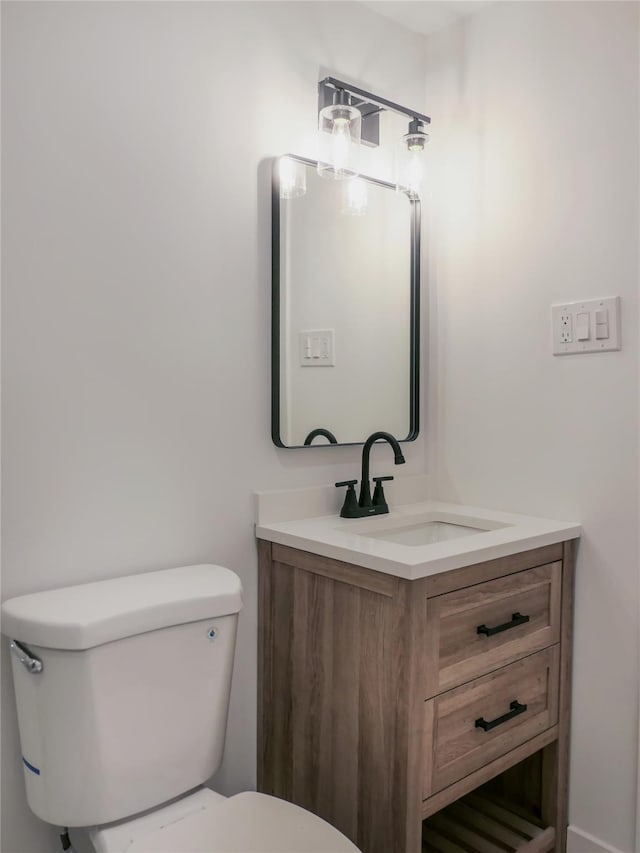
365 504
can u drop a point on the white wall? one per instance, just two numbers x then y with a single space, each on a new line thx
536 202
136 273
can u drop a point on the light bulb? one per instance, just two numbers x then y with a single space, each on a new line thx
411 160
293 178
339 137
340 142
354 201
414 171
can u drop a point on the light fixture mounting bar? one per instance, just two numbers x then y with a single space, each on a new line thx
370 106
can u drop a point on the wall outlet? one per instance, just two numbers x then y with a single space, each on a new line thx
592 325
565 328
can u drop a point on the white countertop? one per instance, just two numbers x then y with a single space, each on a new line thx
283 518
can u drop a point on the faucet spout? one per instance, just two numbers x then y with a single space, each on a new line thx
365 489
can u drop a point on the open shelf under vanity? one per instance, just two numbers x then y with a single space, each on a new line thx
483 822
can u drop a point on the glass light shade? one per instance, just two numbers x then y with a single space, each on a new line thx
339 128
411 163
354 197
293 178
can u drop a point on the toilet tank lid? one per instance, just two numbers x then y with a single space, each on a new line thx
87 615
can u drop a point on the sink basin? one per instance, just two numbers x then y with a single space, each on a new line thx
423 530
425 533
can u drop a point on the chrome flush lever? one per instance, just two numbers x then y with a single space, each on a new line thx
28 661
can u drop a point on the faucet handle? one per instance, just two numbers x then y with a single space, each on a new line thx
350 505
378 493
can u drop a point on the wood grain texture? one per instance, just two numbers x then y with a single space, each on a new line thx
485 823
565 684
410 736
460 831
438 843
543 778
556 757
478 824
345 661
524 826
457 653
544 843
337 730
346 733
489 771
428 738
376 582
313 659
276 664
470 575
265 659
459 747
520 786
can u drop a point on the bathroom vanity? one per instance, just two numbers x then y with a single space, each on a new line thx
414 680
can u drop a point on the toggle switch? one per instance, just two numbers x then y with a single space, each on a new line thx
582 326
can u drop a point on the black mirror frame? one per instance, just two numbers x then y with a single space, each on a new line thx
414 319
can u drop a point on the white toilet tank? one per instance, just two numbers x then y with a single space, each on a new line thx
130 707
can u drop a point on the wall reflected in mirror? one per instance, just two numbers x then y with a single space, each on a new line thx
345 308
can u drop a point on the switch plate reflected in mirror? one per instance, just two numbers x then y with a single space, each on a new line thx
346 291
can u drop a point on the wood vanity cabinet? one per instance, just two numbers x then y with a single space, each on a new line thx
419 715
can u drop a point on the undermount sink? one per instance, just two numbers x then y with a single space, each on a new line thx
425 530
425 533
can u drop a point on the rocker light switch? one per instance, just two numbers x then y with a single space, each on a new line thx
602 324
582 326
316 348
592 325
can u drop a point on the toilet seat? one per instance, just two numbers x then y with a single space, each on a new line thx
205 822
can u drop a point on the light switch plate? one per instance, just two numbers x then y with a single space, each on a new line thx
317 348
568 328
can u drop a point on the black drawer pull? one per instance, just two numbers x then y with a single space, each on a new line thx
487 725
516 619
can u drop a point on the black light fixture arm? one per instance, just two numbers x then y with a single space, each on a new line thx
369 99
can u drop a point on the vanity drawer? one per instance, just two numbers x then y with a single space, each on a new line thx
475 630
472 725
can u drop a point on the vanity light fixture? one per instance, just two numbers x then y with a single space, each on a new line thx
357 114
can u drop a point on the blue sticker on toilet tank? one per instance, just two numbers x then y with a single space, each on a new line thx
30 766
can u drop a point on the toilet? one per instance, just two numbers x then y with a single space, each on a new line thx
122 691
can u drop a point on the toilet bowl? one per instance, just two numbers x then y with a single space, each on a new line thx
122 691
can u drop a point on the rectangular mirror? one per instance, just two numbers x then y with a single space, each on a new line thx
345 312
